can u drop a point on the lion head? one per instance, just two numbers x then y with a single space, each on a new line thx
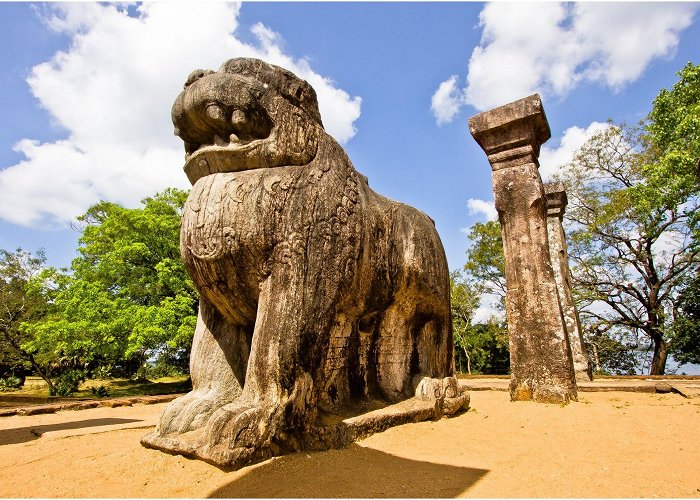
247 115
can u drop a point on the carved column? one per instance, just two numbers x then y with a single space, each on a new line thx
556 205
540 359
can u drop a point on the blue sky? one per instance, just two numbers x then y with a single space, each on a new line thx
87 90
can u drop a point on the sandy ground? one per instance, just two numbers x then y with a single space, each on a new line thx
610 444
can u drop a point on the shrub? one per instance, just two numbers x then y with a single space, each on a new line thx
67 383
99 392
102 372
10 383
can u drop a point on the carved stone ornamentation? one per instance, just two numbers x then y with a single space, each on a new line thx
320 300
540 358
556 205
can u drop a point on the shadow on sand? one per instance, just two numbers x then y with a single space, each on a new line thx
24 434
353 472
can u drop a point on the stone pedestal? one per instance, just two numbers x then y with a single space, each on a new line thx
556 205
540 358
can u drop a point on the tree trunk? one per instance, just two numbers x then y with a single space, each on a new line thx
469 361
596 358
45 376
658 362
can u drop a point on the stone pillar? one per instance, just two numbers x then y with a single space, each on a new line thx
556 205
540 358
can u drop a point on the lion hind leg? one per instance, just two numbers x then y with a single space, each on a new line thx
434 347
394 352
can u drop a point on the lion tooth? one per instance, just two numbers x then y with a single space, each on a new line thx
234 138
219 141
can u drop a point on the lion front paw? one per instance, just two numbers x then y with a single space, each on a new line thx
240 433
189 412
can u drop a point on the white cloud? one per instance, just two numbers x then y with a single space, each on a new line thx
625 38
551 47
112 91
489 308
447 100
483 208
552 159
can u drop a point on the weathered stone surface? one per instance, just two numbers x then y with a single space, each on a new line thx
556 205
319 297
540 359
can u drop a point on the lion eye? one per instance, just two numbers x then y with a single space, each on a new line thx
238 118
215 112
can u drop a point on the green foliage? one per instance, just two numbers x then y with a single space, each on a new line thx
486 265
21 277
128 297
67 382
686 327
83 325
17 269
673 137
632 205
99 392
102 372
10 383
463 302
488 348
163 367
611 354
479 348
135 251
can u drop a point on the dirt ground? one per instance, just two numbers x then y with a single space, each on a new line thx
609 444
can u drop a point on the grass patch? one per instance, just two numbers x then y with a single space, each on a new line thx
461 375
116 387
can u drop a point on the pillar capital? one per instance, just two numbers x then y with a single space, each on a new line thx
512 134
556 199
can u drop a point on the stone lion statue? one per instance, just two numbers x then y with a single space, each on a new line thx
320 300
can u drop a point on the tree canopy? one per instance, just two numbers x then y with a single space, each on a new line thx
127 298
686 327
486 265
672 135
480 347
18 272
632 201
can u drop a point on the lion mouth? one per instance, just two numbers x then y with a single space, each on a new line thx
221 139
233 143
232 155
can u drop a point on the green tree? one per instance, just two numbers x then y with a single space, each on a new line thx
18 271
632 202
464 302
479 348
686 327
484 345
128 298
672 167
611 353
486 265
